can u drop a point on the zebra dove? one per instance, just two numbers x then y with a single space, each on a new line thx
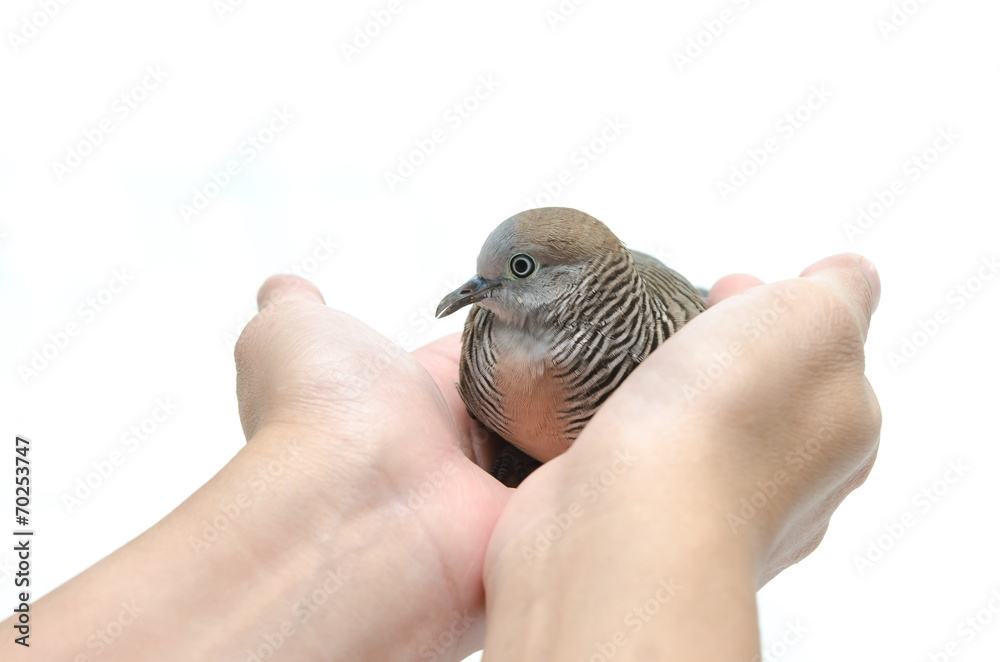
563 313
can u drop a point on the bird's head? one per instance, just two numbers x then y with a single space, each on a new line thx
531 260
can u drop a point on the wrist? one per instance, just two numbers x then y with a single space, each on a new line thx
268 560
355 576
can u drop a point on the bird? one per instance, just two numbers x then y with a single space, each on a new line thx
562 312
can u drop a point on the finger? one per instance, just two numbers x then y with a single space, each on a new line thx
730 285
441 358
256 349
286 287
485 446
447 349
855 278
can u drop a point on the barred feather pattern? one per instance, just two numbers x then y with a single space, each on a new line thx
594 342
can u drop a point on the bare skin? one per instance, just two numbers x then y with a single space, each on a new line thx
379 536
765 393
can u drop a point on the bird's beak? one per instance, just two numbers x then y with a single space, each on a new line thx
476 289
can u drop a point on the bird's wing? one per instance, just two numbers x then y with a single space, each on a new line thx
477 371
681 299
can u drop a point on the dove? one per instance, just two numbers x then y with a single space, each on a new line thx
562 312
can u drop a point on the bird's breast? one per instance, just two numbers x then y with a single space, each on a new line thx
533 394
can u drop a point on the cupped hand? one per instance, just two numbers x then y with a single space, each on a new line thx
737 439
718 462
388 446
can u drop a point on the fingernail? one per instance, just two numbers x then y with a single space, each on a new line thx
874 282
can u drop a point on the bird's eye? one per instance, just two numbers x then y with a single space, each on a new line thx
522 265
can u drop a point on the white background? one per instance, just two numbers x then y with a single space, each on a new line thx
169 334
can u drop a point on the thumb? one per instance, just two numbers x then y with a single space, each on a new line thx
855 278
267 350
286 287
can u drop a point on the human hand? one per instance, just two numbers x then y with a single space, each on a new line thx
716 464
413 513
351 526
369 544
